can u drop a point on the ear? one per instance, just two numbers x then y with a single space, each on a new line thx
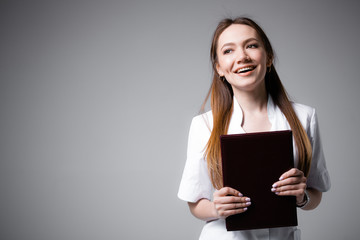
219 71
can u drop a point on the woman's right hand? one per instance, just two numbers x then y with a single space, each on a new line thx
229 201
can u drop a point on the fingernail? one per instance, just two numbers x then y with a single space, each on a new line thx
240 195
247 199
281 178
248 203
274 185
273 189
277 193
245 209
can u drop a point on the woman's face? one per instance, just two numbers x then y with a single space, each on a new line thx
241 57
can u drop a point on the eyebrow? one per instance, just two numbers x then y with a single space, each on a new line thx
232 43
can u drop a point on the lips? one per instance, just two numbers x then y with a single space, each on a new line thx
245 69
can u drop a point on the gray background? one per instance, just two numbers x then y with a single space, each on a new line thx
96 99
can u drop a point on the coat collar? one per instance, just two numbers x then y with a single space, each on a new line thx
237 116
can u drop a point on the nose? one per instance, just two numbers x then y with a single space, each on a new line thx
242 57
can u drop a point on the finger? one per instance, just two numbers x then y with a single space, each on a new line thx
293 176
225 191
230 205
221 207
290 181
233 206
301 187
296 193
231 199
227 213
291 173
229 208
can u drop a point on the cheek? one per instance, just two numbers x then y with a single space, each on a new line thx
225 63
263 57
259 56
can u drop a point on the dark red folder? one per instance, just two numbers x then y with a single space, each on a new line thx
251 163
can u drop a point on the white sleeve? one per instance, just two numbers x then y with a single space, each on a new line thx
318 177
195 183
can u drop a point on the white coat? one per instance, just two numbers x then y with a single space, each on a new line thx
196 184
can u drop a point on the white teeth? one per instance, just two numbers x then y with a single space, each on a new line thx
244 69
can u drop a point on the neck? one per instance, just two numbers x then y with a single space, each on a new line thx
252 101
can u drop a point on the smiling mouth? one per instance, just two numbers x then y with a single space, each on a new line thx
245 69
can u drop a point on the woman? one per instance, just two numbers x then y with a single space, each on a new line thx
247 96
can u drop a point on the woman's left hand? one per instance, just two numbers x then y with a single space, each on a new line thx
291 183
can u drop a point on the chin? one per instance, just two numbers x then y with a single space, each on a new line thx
248 85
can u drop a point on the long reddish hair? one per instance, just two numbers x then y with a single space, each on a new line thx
221 95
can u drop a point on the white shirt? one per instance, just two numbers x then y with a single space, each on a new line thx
196 184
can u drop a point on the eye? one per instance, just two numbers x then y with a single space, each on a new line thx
254 45
227 51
